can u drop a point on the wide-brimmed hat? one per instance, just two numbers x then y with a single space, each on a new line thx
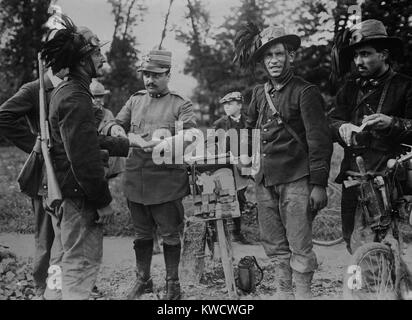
370 31
232 96
157 61
275 34
98 89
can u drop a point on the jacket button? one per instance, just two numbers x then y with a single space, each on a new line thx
269 120
264 142
75 190
264 154
265 130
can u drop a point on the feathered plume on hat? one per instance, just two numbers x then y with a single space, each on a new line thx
246 42
63 50
339 66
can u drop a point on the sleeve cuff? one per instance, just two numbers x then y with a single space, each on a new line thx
319 177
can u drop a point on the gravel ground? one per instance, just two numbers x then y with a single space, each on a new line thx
117 272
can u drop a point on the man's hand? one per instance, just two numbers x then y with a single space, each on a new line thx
153 143
106 215
378 121
137 141
345 131
318 198
117 131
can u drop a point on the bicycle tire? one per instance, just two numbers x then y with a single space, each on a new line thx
327 223
371 286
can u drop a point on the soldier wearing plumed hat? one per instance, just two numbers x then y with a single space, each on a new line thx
376 96
295 155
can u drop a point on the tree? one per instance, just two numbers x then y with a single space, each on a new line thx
396 15
122 78
211 53
21 29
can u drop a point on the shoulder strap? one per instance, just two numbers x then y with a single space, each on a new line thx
287 126
384 93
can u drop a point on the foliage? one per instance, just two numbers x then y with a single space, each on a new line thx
21 29
316 22
396 15
122 78
211 54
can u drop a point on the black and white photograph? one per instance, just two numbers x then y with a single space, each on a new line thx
223 151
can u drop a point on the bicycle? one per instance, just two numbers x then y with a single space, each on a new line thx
376 270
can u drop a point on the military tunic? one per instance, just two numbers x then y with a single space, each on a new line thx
144 181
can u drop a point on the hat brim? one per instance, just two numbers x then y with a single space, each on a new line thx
153 69
395 45
222 101
291 39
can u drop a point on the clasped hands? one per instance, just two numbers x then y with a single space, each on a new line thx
377 121
135 140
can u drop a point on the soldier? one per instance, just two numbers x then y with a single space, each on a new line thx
77 159
234 119
154 192
376 96
25 104
296 149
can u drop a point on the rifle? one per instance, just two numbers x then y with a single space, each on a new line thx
54 195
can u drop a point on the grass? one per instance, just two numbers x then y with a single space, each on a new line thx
16 212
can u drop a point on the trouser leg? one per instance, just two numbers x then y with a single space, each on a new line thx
82 241
297 216
44 236
285 224
53 292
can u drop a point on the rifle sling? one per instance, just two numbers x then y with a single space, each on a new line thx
286 125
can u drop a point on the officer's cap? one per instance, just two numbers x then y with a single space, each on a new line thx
157 61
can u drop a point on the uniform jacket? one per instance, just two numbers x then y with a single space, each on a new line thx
76 151
384 144
115 165
25 103
144 181
283 159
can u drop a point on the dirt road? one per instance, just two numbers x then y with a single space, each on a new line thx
117 272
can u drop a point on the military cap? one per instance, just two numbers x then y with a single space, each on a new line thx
232 96
157 61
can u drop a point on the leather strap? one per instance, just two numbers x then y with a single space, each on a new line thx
287 126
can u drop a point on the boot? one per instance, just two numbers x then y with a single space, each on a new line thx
236 235
172 258
143 250
303 282
283 279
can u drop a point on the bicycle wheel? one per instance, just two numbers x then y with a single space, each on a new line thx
327 225
375 277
